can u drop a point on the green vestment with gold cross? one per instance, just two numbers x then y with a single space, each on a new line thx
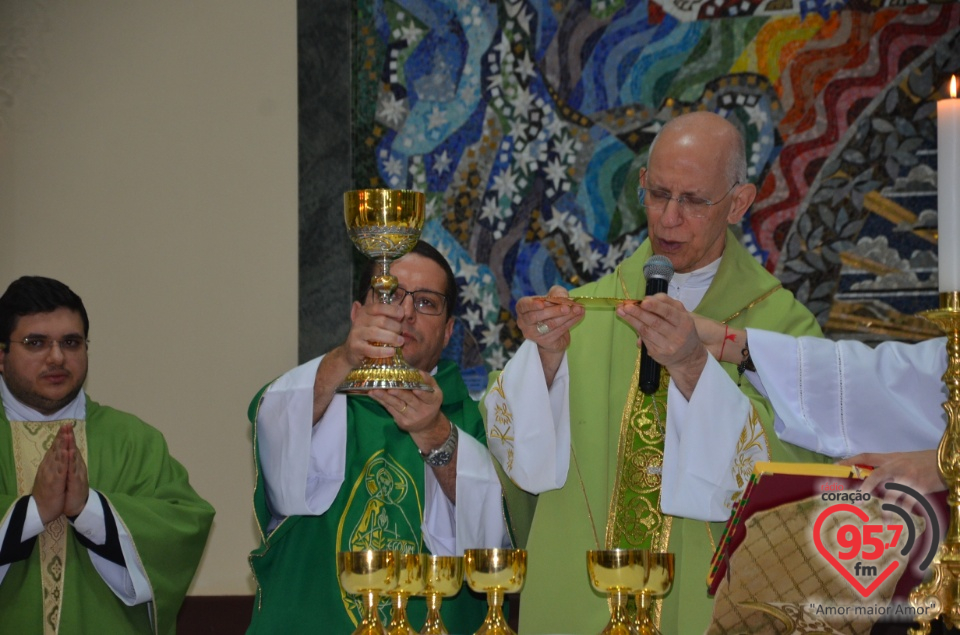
613 485
379 506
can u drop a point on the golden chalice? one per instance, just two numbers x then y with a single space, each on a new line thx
368 573
442 577
495 572
384 225
410 582
618 573
657 580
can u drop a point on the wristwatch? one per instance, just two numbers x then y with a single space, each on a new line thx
444 454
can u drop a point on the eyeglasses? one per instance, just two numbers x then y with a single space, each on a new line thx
690 206
425 302
70 345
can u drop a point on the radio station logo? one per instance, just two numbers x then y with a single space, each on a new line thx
855 543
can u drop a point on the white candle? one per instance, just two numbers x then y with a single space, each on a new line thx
948 190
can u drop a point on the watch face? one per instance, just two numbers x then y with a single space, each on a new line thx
439 458
442 455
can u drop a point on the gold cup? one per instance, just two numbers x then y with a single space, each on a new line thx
368 573
495 572
410 583
657 581
442 577
618 573
384 225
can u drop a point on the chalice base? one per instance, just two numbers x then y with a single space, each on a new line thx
383 373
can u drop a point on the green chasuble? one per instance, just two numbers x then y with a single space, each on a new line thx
609 458
129 464
379 506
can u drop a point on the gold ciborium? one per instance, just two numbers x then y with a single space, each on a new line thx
368 573
409 583
384 225
442 577
495 572
618 573
657 580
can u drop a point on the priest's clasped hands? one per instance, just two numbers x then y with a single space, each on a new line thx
61 486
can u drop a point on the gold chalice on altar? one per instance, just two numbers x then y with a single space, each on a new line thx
384 225
442 577
618 573
368 573
657 580
409 582
495 572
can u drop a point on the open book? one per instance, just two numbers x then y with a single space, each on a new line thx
773 484
806 551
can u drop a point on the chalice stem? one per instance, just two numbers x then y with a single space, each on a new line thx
434 624
383 282
620 621
370 624
645 625
495 624
399 624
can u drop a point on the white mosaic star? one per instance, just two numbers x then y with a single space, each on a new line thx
496 357
468 269
490 210
441 163
525 68
473 318
393 166
556 172
471 293
390 109
437 118
505 182
411 33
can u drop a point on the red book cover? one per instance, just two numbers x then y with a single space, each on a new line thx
774 484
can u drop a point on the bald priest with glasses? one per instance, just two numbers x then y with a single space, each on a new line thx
613 465
100 530
405 470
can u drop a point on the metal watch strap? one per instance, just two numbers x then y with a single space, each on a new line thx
444 454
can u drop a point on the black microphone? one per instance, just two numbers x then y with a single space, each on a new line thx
658 271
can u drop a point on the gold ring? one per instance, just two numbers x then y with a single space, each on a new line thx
404 406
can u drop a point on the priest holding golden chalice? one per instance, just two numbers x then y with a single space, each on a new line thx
377 466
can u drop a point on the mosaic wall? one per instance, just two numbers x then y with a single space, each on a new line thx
526 123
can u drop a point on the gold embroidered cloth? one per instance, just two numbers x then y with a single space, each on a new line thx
31 440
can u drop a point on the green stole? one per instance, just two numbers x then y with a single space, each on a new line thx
128 462
379 506
614 444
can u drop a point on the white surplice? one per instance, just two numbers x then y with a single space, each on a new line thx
304 466
842 398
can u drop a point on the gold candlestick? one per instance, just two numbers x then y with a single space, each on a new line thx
938 598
